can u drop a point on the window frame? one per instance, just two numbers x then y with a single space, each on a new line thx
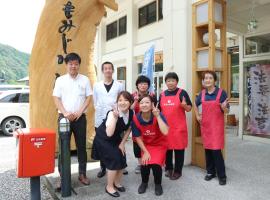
147 14
107 27
125 31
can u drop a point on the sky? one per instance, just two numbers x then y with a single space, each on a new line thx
18 22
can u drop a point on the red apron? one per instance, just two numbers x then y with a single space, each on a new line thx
212 125
176 118
154 141
137 107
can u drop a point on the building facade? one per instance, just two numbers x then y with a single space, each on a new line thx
125 35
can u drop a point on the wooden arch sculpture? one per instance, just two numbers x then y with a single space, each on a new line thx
65 26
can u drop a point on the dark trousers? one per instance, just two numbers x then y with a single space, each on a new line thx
179 156
215 163
157 173
78 128
102 165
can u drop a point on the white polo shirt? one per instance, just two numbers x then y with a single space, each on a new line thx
72 91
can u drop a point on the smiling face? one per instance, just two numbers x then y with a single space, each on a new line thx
171 84
208 81
145 105
73 67
143 87
107 70
123 104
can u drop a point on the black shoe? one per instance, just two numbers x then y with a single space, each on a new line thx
169 173
115 194
101 173
142 188
125 172
208 177
222 181
175 176
158 189
120 189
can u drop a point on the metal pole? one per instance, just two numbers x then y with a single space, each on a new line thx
35 188
65 162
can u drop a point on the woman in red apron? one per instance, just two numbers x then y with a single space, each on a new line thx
150 129
174 103
214 104
142 85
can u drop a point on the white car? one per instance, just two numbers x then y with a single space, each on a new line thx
14 110
4 88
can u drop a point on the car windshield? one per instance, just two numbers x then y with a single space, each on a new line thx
11 98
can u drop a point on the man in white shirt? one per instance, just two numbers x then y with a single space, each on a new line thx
71 94
105 95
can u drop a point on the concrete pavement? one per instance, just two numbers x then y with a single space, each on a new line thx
248 171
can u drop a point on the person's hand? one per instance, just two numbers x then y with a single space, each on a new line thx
199 118
115 112
184 103
122 148
136 97
77 115
145 158
155 110
224 105
70 116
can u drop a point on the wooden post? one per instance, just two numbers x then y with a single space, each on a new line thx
198 29
85 15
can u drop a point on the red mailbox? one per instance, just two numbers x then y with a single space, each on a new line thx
35 152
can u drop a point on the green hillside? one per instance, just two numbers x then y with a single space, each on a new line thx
13 64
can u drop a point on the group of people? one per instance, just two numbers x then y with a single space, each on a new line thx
159 128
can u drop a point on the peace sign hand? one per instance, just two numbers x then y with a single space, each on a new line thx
115 112
155 110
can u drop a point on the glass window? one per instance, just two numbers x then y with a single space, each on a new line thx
111 31
259 44
122 25
140 68
24 98
121 73
148 14
159 67
160 9
234 72
12 98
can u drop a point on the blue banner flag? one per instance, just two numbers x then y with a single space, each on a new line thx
148 65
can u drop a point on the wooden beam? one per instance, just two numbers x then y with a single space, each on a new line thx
110 4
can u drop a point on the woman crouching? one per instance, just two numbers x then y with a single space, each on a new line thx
109 144
150 129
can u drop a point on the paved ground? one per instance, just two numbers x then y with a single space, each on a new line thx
247 164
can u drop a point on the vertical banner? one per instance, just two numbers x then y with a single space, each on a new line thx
148 66
259 99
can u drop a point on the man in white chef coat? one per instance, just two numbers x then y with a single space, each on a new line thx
105 94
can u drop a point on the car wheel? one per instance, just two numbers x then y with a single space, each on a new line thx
11 124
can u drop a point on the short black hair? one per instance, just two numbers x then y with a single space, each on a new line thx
71 57
105 63
171 75
143 79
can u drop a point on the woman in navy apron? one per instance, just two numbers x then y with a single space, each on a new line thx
109 142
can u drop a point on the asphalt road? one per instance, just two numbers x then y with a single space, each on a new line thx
11 187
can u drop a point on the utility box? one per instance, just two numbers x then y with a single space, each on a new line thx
35 152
